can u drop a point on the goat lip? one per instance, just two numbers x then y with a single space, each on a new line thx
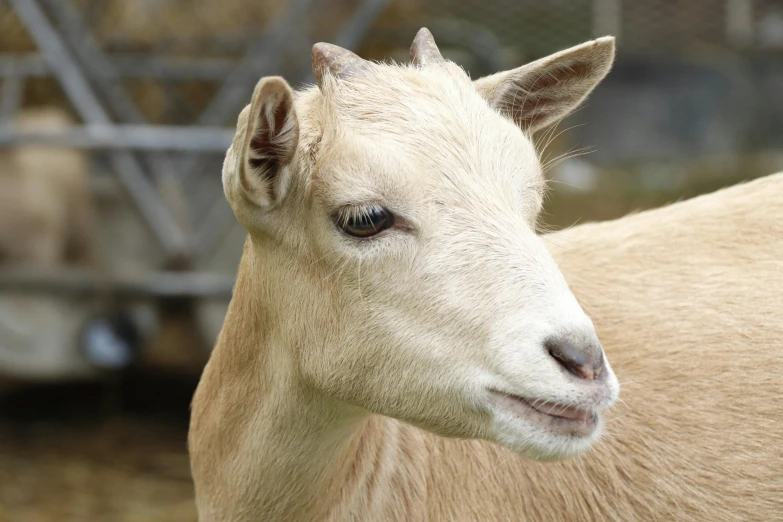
559 418
562 411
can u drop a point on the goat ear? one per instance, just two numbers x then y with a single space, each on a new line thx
547 90
271 138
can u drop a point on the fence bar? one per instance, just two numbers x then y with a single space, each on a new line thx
130 65
161 284
121 137
11 99
23 65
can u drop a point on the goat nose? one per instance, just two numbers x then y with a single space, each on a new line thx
586 361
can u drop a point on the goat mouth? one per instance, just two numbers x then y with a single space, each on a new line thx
558 418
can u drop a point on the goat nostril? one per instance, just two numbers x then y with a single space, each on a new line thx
585 363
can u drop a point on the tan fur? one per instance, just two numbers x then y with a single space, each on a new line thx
46 214
46 221
332 351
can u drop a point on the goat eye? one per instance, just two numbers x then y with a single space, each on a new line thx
366 222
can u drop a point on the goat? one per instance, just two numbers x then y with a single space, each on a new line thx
401 345
46 214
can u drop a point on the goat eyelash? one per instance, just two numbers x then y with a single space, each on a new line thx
346 213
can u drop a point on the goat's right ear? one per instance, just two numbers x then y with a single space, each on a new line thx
271 138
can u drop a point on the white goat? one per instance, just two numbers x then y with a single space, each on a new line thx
397 326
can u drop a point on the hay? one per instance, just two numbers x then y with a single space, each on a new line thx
85 452
123 470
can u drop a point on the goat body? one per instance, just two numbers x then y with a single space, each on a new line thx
687 302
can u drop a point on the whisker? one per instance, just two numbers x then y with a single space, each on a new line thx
551 181
553 138
546 167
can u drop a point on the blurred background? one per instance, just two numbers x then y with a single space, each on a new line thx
118 249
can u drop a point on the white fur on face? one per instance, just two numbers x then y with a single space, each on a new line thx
418 323
524 368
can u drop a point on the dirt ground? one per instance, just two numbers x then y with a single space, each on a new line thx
97 452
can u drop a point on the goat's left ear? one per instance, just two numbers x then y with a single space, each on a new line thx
547 90
271 138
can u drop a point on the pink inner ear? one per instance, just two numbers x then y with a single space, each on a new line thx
263 157
273 140
534 99
574 71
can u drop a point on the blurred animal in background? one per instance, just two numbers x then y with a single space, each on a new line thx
46 213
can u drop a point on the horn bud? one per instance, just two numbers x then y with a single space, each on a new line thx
340 63
424 52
